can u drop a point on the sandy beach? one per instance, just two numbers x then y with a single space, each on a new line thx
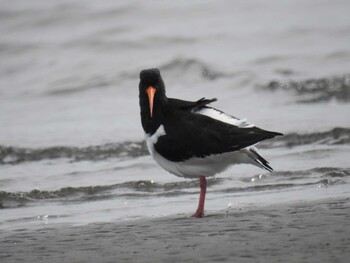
298 232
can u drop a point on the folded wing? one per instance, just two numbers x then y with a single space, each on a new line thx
196 130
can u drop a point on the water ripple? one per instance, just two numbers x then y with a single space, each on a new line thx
316 90
322 176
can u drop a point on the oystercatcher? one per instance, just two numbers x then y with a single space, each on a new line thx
193 140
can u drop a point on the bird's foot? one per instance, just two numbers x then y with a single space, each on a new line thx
198 214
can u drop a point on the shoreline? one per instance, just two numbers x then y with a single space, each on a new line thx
316 231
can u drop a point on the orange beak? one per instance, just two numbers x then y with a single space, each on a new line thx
150 92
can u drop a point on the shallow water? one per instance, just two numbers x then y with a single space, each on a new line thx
71 142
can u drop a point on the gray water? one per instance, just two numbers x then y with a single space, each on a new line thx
71 143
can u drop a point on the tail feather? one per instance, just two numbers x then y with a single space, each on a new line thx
260 160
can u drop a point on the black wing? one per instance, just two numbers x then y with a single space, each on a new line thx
194 135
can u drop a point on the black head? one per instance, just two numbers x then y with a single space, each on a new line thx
150 77
152 91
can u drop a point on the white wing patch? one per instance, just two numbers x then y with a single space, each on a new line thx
151 140
159 132
221 116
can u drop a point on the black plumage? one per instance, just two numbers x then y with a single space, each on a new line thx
189 134
191 139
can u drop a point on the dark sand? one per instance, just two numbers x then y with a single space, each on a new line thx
299 232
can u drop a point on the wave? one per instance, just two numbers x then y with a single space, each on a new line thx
15 155
190 68
181 66
323 176
195 67
336 136
316 90
132 189
319 176
187 68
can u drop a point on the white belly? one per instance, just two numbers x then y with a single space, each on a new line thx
194 167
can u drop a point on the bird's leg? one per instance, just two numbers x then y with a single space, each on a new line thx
203 186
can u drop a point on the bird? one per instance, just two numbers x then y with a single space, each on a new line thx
191 139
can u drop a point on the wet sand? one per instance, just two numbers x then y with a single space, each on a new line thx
296 232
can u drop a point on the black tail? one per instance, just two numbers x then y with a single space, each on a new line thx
260 160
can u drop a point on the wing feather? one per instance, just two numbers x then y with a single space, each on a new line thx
190 134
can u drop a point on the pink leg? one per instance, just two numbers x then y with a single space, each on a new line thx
203 186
